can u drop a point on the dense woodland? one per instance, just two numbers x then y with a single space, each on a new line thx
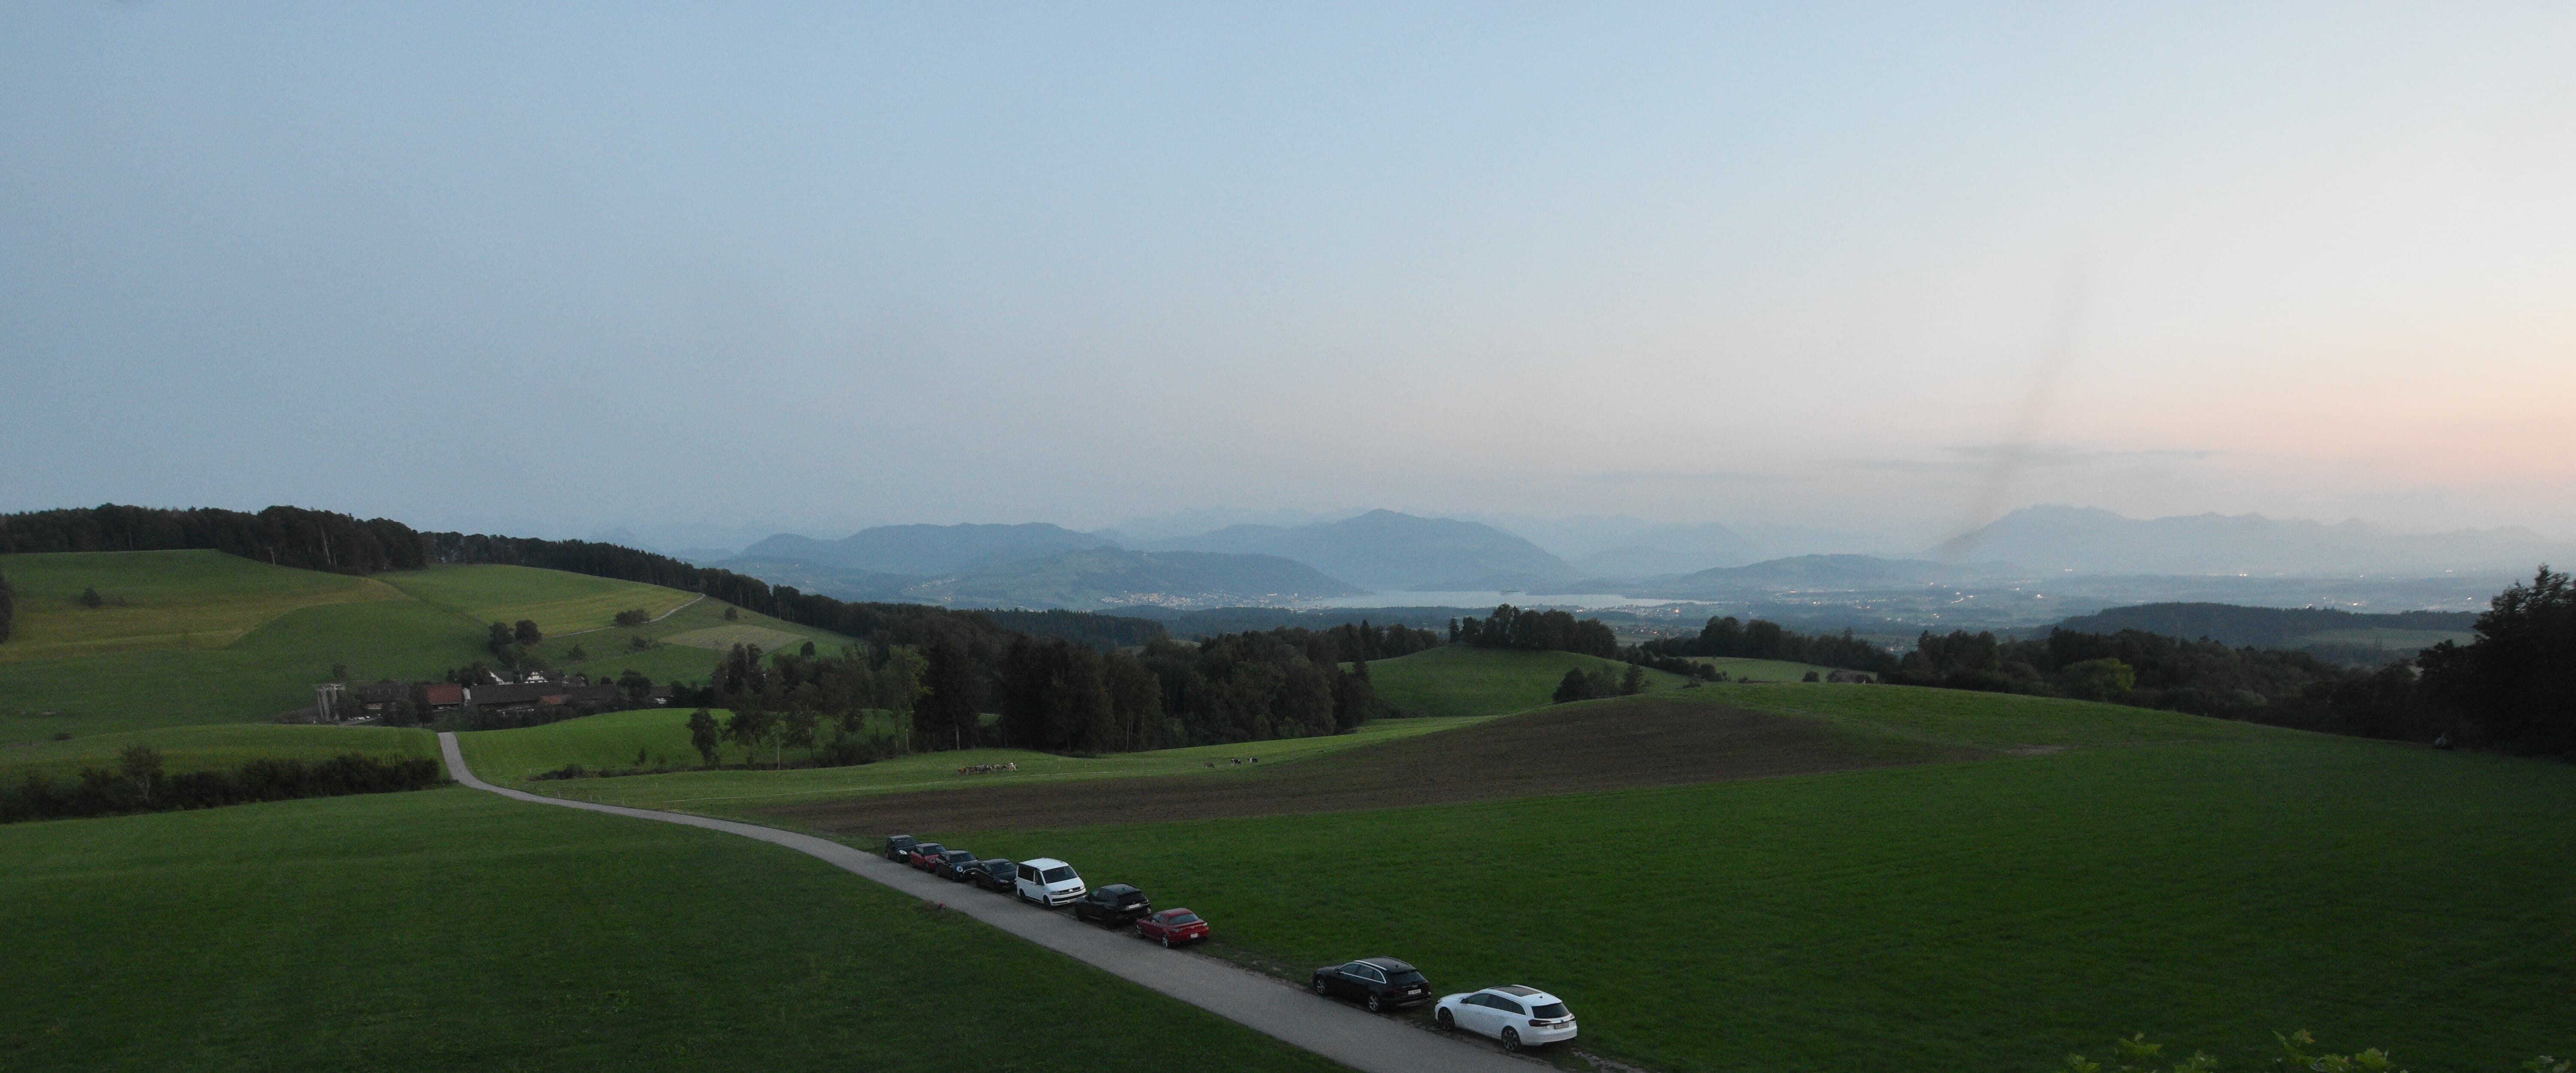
1532 630
2512 688
137 784
1760 639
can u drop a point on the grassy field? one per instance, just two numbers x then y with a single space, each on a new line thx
269 670
1459 680
157 600
2207 883
513 754
450 929
218 745
210 638
1764 670
558 602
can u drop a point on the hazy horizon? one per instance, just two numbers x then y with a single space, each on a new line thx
1866 269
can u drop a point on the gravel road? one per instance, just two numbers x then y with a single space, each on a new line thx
1345 1034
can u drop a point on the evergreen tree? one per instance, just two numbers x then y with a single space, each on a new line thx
947 708
1574 686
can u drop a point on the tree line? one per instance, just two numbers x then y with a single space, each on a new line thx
1532 630
8 607
1762 639
137 784
2512 688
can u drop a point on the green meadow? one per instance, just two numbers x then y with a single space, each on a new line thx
1762 670
612 740
195 637
1457 680
2207 885
451 929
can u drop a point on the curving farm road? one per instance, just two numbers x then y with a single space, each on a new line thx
1345 1034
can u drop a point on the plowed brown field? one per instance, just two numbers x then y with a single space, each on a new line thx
1564 750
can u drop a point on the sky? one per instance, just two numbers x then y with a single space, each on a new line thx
547 269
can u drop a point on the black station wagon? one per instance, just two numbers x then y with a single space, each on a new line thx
1382 983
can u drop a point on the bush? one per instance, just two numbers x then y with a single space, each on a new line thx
140 787
634 617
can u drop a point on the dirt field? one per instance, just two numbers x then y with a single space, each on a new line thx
1557 751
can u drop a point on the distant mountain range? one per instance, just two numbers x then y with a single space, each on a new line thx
1107 578
2055 539
926 550
1391 552
1041 565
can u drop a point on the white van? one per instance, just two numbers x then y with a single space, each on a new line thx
1049 882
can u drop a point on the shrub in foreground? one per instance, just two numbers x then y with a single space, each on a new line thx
2136 1055
139 786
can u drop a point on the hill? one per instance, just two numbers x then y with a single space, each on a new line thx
288 937
1387 551
206 637
1104 578
1937 916
2051 539
1462 680
2280 627
924 550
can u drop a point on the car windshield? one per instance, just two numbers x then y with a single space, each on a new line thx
1182 918
1551 1010
929 847
1408 976
1057 874
960 856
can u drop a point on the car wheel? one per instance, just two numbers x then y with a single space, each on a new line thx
1511 1040
1374 1004
1167 942
1447 1022
1319 985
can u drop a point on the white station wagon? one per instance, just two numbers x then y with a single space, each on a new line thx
1518 1016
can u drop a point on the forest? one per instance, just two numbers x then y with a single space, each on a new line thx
2512 688
1760 639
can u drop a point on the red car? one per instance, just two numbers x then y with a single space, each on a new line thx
925 855
1173 926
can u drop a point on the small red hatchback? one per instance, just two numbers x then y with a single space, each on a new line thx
1173 926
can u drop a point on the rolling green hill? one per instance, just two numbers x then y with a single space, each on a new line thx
202 637
450 929
154 600
611 740
1461 680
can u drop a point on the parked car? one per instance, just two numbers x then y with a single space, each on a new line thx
1048 882
1173 926
998 874
952 864
1114 906
1382 983
899 846
924 855
1518 1016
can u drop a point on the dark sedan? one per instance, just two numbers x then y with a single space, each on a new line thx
900 846
1113 906
952 865
1382 983
999 874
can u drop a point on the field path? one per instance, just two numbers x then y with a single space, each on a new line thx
1345 1034
693 602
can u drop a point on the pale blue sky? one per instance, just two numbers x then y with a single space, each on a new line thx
548 270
